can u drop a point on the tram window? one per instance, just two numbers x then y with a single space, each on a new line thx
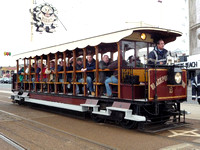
115 55
127 46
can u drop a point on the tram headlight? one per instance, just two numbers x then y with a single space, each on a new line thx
174 76
143 36
178 77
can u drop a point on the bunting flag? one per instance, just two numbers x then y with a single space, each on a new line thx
7 53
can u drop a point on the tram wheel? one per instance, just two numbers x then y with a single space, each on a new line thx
96 118
160 120
128 124
20 102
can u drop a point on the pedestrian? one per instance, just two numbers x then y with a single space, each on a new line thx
196 87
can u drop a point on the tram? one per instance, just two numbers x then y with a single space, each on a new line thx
144 94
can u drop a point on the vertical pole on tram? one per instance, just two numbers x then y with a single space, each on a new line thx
119 69
17 84
74 72
41 75
24 78
29 74
64 69
156 96
97 69
48 76
56 73
111 56
84 74
36 76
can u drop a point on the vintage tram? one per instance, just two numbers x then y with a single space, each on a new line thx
143 94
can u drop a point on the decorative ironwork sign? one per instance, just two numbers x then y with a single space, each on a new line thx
45 18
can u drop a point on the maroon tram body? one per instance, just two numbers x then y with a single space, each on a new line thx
145 94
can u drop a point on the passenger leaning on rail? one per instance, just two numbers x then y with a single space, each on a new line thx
114 77
103 75
60 75
159 54
69 67
51 72
79 76
21 76
90 65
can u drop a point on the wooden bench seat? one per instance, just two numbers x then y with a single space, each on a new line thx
57 82
66 83
50 82
113 83
78 83
98 83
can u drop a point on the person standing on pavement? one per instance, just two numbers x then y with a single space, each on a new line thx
196 87
21 76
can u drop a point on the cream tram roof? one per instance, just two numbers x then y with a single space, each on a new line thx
153 33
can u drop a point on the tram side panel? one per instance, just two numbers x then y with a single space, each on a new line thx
161 90
133 88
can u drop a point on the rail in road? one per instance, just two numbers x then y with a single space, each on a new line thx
12 143
27 127
74 141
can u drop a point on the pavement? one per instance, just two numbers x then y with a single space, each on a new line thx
192 109
191 106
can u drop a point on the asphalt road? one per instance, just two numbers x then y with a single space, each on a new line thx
32 128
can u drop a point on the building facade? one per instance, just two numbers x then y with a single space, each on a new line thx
7 71
194 26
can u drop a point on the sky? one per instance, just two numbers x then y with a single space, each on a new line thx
85 18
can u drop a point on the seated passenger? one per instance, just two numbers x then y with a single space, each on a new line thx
69 67
90 65
131 61
60 75
114 77
60 68
158 55
44 75
103 64
79 76
21 77
51 71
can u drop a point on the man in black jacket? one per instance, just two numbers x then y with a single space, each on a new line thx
103 64
90 65
114 77
158 55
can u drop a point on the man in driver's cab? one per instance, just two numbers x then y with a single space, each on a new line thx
159 54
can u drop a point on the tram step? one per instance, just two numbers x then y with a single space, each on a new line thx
95 107
135 118
103 112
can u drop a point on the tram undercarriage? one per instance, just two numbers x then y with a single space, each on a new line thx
145 116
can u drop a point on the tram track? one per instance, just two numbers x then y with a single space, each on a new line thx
12 142
36 127
31 124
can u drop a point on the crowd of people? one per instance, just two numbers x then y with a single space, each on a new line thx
158 55
43 71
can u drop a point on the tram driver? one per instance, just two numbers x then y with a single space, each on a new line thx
159 54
